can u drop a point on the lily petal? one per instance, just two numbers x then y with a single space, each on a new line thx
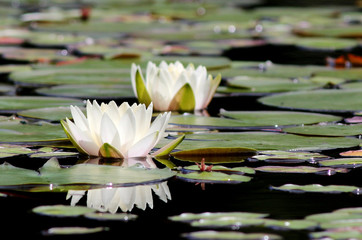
143 146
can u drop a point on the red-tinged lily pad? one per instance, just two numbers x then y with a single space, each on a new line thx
301 169
352 153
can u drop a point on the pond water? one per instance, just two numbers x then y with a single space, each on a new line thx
268 157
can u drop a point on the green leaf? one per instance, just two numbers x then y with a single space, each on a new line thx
166 150
142 93
184 99
277 118
62 210
211 234
327 130
73 230
301 169
318 100
52 173
213 177
215 154
342 162
316 188
123 217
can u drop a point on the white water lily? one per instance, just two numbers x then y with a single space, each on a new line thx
109 199
172 87
115 131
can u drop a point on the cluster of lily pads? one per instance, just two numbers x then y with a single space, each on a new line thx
265 117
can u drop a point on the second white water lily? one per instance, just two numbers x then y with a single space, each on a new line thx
172 87
115 131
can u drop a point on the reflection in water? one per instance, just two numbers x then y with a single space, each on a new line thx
109 199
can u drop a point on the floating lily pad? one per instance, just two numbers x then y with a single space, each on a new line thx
342 162
188 217
215 155
73 230
57 113
211 234
327 130
89 91
8 150
62 210
316 188
247 84
263 141
58 76
290 224
301 169
52 173
123 217
318 100
17 131
289 157
11 104
352 153
213 177
277 118
348 74
48 152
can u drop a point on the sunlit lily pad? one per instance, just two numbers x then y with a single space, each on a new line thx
8 150
318 100
342 162
213 177
62 210
58 113
277 118
48 152
211 234
264 141
123 217
188 217
57 76
73 230
348 74
11 104
327 130
316 188
52 173
301 169
89 91
17 131
290 224
246 84
289 157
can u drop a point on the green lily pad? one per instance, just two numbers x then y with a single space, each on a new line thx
52 173
318 100
58 113
289 157
8 150
290 224
123 217
337 31
326 130
17 131
48 152
11 104
73 230
65 75
301 169
215 155
263 141
338 233
277 118
247 84
348 74
213 177
211 234
316 188
62 210
188 217
207 122
342 162
89 91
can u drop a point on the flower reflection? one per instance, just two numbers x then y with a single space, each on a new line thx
109 199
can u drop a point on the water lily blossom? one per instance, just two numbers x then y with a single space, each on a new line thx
172 87
114 131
